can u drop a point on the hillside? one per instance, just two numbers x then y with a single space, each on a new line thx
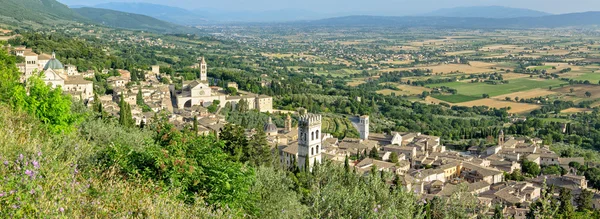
487 12
162 12
41 11
552 21
130 21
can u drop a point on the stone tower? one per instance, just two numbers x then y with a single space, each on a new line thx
501 138
288 123
363 127
203 69
309 140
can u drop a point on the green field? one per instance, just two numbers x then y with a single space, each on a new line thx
458 98
516 85
592 77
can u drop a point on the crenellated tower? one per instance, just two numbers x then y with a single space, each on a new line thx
309 140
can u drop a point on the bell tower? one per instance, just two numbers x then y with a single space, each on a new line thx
501 138
203 69
309 140
288 123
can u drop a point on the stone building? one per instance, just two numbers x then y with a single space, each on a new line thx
199 92
55 74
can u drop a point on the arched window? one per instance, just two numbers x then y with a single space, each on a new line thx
312 151
317 149
312 136
317 134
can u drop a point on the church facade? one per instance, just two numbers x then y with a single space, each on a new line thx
199 93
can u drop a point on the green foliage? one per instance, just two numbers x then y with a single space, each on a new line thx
530 168
125 116
584 200
275 194
394 157
566 207
254 151
56 176
38 10
332 193
232 91
373 153
553 170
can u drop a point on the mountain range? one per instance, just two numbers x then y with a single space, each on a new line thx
166 19
202 16
550 21
486 12
26 13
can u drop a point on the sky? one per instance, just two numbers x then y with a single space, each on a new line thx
385 7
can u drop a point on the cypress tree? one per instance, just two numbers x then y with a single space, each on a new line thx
196 125
347 164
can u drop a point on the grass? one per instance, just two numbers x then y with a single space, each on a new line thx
592 77
67 186
515 85
457 98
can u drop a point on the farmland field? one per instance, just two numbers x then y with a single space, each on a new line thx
539 92
543 67
457 98
592 77
403 90
515 85
339 127
474 67
492 103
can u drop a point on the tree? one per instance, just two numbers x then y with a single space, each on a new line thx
125 117
347 164
139 98
571 90
235 140
47 104
195 125
566 207
373 153
498 212
394 157
258 151
242 106
485 95
232 91
530 168
584 200
588 94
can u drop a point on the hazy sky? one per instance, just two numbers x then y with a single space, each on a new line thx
400 7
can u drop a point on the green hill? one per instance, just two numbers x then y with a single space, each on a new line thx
130 21
40 11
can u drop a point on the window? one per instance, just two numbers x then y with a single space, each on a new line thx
312 151
317 134
317 148
312 136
